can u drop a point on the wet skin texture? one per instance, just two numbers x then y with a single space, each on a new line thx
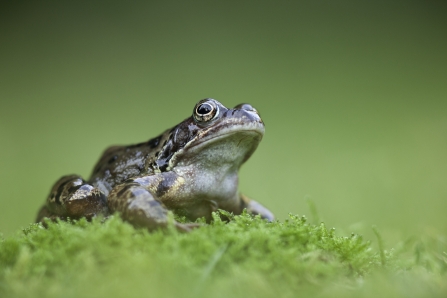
190 169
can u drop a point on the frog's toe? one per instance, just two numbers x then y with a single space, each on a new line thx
256 208
186 228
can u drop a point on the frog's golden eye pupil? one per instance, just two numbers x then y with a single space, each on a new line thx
204 109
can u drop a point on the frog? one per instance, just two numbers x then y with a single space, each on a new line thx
190 170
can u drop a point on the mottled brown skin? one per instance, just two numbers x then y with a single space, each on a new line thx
191 170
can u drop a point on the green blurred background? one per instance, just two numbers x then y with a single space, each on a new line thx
353 94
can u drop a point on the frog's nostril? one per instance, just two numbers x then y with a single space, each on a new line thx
246 106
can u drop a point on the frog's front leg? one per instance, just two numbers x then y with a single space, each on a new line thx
255 208
72 197
138 201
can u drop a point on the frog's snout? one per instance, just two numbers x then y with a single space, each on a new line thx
244 112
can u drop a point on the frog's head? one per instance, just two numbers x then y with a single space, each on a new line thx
213 137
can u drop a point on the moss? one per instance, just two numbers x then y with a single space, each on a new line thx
244 257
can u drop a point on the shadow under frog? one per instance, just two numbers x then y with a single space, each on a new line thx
191 169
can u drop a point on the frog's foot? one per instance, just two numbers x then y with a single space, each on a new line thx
186 227
72 197
44 213
256 208
139 207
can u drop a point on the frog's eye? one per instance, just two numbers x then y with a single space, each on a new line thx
205 111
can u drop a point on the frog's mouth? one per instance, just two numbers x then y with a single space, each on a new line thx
231 145
253 129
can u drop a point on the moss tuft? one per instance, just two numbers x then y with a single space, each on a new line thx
245 257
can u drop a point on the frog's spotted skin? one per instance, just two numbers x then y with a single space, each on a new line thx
191 169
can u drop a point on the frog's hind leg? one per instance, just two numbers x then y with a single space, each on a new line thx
72 197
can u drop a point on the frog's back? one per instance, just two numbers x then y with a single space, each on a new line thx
119 163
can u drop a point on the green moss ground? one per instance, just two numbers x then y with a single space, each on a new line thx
246 257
